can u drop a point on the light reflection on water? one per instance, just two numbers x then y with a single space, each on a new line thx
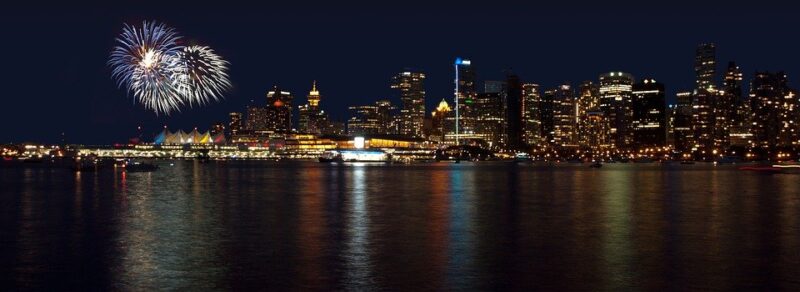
289 225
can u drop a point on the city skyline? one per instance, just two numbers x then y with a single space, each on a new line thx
92 105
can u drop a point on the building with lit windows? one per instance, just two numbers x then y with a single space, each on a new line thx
438 121
376 119
412 98
588 101
313 120
733 119
704 100
682 131
234 124
531 114
279 111
564 117
616 103
490 119
649 116
463 115
774 111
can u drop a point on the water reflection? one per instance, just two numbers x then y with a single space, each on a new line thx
357 254
311 226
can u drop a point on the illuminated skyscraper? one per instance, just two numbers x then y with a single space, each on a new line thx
682 131
589 103
733 118
490 119
705 64
279 111
312 119
704 99
774 111
438 121
616 104
649 116
412 97
463 116
371 119
564 117
531 115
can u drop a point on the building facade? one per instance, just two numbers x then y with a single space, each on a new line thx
649 114
412 98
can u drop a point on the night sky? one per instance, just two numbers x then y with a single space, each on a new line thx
55 77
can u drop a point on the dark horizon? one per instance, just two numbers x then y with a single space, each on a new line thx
59 81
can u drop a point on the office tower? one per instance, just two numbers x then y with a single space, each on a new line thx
312 119
235 124
376 119
735 120
463 116
595 128
257 118
704 99
531 115
490 119
616 104
412 97
546 106
649 117
564 117
683 134
774 111
279 111
438 121
705 66
589 102
513 112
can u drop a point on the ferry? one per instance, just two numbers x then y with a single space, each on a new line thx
359 155
138 166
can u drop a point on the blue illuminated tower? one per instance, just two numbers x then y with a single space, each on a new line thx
465 94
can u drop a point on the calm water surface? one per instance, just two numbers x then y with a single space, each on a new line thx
303 225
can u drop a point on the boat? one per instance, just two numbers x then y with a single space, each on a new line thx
138 166
523 157
330 156
356 155
596 165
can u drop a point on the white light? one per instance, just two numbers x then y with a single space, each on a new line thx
359 142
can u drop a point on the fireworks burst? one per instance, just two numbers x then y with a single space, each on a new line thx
162 75
205 77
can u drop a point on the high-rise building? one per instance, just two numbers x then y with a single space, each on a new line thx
705 66
513 112
531 115
682 131
463 115
774 111
257 118
589 103
649 116
412 97
490 119
733 118
438 121
595 128
565 123
279 111
547 106
616 104
704 99
235 124
313 120
371 119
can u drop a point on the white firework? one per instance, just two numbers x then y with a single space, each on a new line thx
146 63
205 77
